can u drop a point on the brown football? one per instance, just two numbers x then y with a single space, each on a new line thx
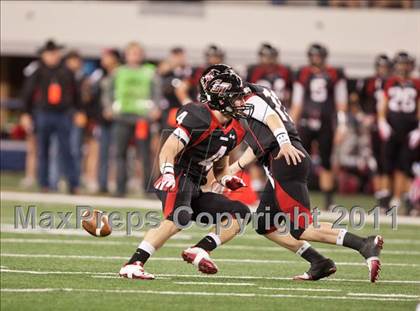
90 226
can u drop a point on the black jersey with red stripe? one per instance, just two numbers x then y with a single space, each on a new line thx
369 90
206 140
259 136
276 77
318 91
403 96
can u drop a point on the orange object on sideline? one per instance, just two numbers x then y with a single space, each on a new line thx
142 129
171 121
54 93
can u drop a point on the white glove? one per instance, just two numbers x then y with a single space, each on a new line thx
167 181
414 138
384 129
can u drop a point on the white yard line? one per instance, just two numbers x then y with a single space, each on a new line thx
94 201
9 228
302 289
188 235
226 260
215 283
184 245
194 293
200 276
383 295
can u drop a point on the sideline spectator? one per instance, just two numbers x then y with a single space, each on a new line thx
110 61
132 110
50 95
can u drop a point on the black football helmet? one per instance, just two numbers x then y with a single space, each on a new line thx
221 87
208 74
317 49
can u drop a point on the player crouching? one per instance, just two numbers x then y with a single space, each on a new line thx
204 136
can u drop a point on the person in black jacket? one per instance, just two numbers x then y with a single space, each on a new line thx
50 94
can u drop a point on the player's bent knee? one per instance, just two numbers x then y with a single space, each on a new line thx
296 233
182 217
241 210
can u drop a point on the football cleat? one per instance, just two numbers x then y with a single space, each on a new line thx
371 251
201 259
135 271
318 270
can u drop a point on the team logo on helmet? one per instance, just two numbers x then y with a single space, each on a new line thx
220 87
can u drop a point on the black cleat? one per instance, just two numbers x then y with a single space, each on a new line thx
371 251
373 246
318 270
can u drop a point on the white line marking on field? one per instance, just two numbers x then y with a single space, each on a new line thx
105 277
188 235
184 245
183 293
383 295
226 260
279 278
233 277
302 289
57 272
9 228
215 283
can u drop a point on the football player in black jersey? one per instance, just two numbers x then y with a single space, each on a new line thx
399 126
271 74
201 141
274 141
369 91
319 107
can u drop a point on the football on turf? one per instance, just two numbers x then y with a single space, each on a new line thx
90 221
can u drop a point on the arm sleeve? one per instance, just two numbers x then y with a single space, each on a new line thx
261 109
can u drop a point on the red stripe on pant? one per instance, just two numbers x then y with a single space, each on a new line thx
287 205
170 199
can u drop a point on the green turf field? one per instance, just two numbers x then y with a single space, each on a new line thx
70 270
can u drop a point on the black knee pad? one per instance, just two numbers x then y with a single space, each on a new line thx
261 230
182 215
296 233
242 210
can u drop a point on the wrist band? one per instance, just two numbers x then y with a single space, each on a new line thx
240 166
167 168
281 136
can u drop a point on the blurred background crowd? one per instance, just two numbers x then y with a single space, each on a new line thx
95 124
